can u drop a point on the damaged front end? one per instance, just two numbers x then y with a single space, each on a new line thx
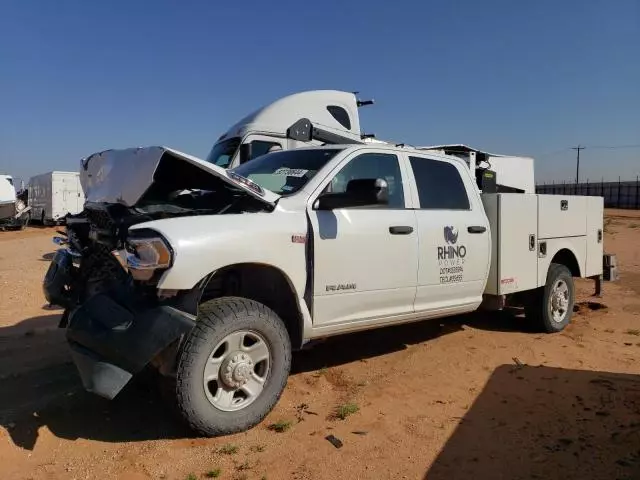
115 324
105 276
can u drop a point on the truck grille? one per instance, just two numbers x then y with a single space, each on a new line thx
100 219
103 228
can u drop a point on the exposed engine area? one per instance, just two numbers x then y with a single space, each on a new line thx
96 235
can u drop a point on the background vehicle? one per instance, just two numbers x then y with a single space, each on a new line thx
314 117
13 211
55 194
331 117
226 272
7 196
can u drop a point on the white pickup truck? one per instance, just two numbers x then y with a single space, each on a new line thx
214 276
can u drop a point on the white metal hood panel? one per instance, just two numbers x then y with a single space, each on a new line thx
123 176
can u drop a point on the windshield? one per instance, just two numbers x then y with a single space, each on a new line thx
222 152
286 172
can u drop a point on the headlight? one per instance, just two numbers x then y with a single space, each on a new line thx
147 251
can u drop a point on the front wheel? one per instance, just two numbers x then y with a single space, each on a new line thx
551 306
233 367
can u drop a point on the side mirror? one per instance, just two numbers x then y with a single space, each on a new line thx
245 152
360 193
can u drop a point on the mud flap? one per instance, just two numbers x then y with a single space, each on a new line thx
103 379
112 342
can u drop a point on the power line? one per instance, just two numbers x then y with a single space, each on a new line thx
612 147
591 147
555 152
578 148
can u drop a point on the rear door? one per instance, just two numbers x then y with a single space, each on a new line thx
454 238
365 258
80 197
69 195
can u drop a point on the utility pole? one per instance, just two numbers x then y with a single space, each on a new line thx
578 148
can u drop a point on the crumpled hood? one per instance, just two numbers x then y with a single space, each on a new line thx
123 176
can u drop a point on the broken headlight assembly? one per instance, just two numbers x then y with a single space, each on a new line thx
147 252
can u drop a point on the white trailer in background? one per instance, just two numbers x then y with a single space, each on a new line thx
53 195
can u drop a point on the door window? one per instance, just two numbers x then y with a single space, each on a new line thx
341 116
440 186
261 147
372 165
222 152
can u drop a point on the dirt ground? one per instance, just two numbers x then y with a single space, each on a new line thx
472 397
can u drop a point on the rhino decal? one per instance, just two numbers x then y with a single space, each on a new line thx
450 235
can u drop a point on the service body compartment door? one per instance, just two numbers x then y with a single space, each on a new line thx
595 232
513 218
561 216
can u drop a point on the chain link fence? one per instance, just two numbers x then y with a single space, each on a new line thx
620 194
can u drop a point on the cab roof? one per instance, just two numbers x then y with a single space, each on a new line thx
334 110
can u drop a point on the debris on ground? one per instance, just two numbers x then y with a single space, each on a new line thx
335 441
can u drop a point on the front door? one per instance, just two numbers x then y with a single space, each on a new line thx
454 237
365 258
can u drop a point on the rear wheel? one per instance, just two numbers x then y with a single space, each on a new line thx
233 367
551 306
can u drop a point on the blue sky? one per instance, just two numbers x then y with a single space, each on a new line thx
511 77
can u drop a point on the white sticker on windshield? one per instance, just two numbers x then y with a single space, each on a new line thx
291 172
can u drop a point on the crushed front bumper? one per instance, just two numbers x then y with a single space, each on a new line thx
111 335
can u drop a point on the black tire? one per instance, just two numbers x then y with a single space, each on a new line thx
216 319
539 306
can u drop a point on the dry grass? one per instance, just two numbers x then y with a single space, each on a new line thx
280 426
346 410
229 449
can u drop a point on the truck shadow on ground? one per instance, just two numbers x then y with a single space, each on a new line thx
353 347
41 388
547 423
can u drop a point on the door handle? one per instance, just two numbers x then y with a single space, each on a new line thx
476 229
403 230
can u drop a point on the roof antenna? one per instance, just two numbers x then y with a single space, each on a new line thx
401 145
364 136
